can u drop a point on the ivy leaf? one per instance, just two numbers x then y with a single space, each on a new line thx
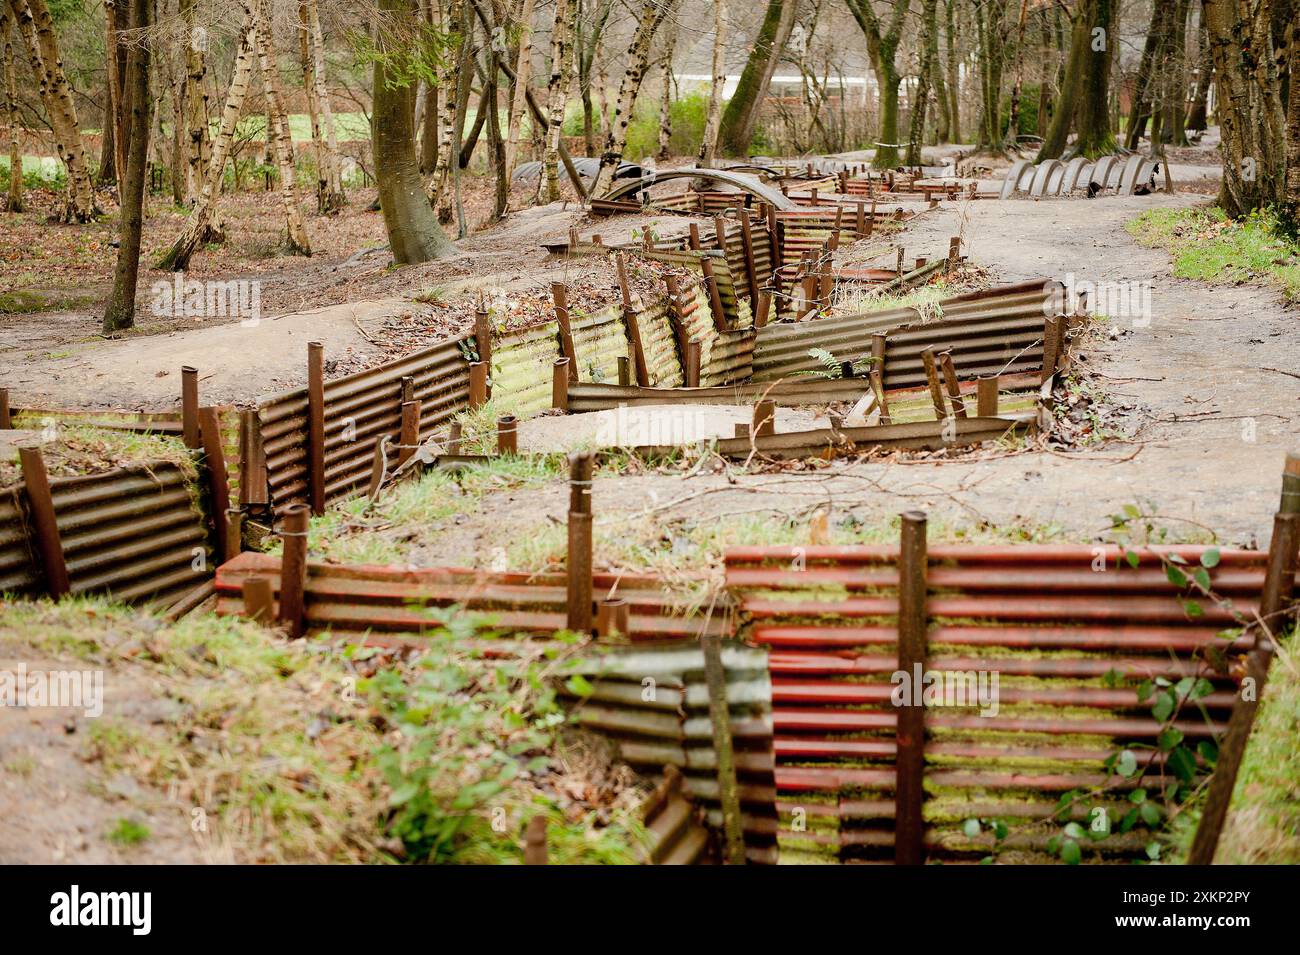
1176 576
971 828
579 685
1192 608
1177 559
1163 707
1183 763
1202 578
1150 813
1208 750
1169 738
1132 558
1137 797
1210 557
1074 830
1099 827
1070 852
1129 821
1153 851
999 830
1127 764
1144 690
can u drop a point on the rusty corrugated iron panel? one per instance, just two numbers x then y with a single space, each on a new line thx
809 390
19 570
731 359
1071 642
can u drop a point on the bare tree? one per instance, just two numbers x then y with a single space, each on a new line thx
713 120
120 310
15 203
295 240
666 90
741 115
882 47
557 94
589 31
518 102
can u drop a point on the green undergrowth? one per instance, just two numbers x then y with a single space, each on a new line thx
314 751
75 450
1208 246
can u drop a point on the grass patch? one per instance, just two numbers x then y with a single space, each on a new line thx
128 832
29 301
318 751
72 450
1263 825
1208 246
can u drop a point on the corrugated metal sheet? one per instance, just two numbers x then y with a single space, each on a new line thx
522 367
19 573
600 340
997 333
654 702
390 600
730 359
1070 645
659 343
810 390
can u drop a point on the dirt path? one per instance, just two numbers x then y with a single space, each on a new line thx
1211 428
58 806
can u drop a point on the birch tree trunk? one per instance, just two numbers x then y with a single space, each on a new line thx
557 93
15 203
330 196
35 22
519 103
666 91
651 17
921 101
713 119
438 192
295 240
120 310
198 138
199 224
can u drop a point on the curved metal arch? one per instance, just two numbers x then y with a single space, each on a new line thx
741 181
1076 169
1013 178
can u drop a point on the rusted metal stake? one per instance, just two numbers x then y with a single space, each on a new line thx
454 431
909 764
1050 339
560 295
214 458
190 406
507 434
316 427
6 419
986 397
612 617
410 434
293 570
715 676
234 534
535 841
952 383
560 384
693 363
253 488
579 564
764 422
932 376
624 371
40 504
483 339
259 599
478 384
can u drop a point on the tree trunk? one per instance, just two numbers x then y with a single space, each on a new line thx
943 113
1196 116
650 18
518 102
413 231
1175 74
476 131
464 75
15 203
295 239
120 311
34 19
1144 85
114 113
496 143
741 114
198 152
927 43
709 142
199 224
1290 215
1058 134
954 76
882 50
587 40
439 193
557 94
1013 113
666 91
1092 126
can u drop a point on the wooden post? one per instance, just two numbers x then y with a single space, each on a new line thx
986 397
953 385
861 221
316 427
764 418
478 375
1279 584
40 505
612 617
624 371
715 297
747 246
878 341
954 254
378 468
410 434
560 384
293 570
259 599
932 376
909 764
507 434
214 461
6 419
560 295
578 565
453 437
774 236
693 237
483 339
871 219
764 308
535 841
190 407
253 487
715 676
